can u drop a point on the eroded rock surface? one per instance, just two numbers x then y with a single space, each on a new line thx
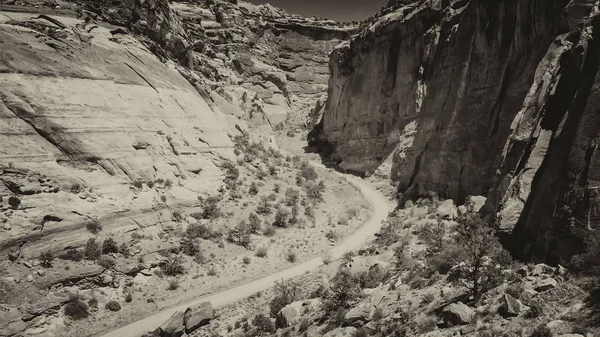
498 99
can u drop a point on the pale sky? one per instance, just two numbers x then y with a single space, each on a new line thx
339 10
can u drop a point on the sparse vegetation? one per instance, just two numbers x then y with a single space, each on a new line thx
286 292
92 250
93 226
106 262
14 202
173 284
112 306
46 259
76 308
110 246
261 251
172 265
291 256
263 324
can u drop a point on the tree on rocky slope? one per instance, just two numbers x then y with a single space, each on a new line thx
482 267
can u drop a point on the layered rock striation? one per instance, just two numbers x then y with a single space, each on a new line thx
476 97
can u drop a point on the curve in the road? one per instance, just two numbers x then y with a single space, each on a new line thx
380 209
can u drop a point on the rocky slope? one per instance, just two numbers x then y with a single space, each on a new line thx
92 116
470 97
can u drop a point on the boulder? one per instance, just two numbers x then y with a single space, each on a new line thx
447 210
474 203
558 327
173 327
291 313
542 269
511 307
457 314
341 332
198 316
545 284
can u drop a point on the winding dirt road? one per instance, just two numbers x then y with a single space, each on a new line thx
380 208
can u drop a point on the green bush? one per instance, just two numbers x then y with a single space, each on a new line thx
92 250
110 246
112 306
76 308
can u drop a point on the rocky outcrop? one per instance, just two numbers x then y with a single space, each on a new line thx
502 97
185 322
73 114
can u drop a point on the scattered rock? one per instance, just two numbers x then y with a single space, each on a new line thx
447 210
41 272
474 203
7 226
560 271
341 332
27 264
29 278
457 314
290 314
462 210
511 307
542 269
545 284
173 327
557 327
198 316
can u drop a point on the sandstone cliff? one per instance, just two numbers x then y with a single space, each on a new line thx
471 97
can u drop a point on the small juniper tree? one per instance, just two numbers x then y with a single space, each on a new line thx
481 269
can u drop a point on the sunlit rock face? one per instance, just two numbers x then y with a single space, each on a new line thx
502 96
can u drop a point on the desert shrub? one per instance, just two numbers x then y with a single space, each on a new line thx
124 249
112 306
291 256
314 191
331 235
14 202
46 259
168 183
270 231
72 255
541 331
106 262
264 206
110 246
443 261
291 197
173 284
212 272
163 198
263 324
479 271
200 231
253 190
240 235
286 292
372 278
150 183
177 215
210 208
282 217
92 250
189 246
138 184
261 251
172 265
246 260
76 308
93 303
515 290
93 226
199 257
433 237
128 297
308 172
254 223
76 188
343 292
